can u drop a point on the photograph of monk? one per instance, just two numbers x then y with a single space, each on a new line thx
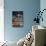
17 19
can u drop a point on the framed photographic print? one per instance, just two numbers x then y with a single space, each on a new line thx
17 19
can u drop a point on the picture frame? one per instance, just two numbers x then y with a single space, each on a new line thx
17 19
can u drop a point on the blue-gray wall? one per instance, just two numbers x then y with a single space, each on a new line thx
30 7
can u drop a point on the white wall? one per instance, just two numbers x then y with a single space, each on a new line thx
43 6
1 20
